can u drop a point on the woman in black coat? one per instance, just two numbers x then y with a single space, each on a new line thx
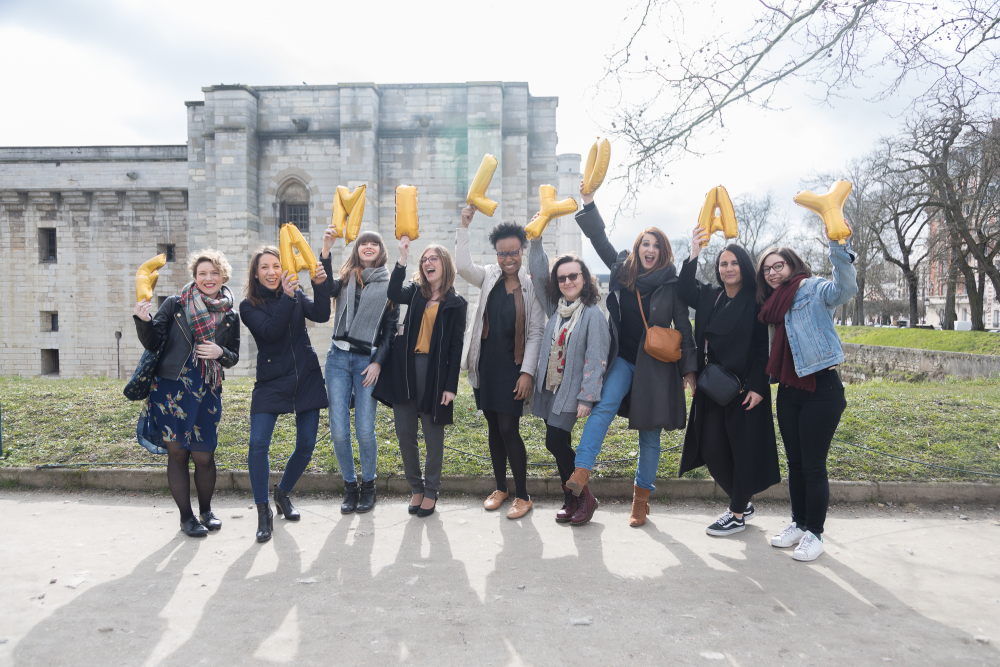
736 440
425 366
289 380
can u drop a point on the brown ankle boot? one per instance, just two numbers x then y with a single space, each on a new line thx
640 507
578 480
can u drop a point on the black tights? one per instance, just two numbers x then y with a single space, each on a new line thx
506 445
717 452
179 480
557 441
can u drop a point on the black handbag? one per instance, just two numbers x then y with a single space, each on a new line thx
138 386
718 384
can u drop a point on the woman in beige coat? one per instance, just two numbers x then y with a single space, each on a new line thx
502 353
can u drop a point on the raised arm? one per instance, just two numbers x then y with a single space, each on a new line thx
151 332
844 285
470 271
592 225
317 309
538 266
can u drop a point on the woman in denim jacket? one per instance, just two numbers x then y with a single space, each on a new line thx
805 348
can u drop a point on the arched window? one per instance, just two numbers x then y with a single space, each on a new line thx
294 205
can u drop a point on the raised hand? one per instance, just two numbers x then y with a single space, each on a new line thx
329 238
697 237
587 198
467 214
404 250
320 274
290 283
142 309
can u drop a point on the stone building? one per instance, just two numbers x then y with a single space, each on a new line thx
76 222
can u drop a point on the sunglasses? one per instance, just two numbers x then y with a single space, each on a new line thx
568 278
776 267
504 254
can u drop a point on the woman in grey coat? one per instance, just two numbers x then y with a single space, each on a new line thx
572 362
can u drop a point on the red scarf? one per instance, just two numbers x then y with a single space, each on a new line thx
780 364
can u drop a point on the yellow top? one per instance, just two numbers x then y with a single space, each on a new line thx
426 329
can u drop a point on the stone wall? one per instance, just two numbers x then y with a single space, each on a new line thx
863 362
246 148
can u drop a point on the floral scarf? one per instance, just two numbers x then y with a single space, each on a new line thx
570 312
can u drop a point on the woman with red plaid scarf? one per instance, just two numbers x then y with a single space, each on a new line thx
202 334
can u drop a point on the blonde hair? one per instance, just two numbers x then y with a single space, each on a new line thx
447 272
217 259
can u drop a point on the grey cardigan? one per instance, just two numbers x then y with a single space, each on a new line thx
586 354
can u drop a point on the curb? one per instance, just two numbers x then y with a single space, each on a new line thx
131 479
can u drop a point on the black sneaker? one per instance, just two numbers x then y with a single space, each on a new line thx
726 524
749 512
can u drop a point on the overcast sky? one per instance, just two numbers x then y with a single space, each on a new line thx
114 72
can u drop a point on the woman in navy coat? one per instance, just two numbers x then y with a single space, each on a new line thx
289 379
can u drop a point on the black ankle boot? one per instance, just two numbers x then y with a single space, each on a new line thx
284 505
367 501
265 522
350 503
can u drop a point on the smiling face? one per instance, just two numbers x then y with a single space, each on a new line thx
269 271
368 252
431 267
511 262
208 279
775 270
570 276
729 270
649 251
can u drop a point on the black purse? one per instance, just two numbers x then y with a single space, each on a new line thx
718 384
138 386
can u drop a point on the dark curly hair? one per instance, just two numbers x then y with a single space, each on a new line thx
503 230
590 294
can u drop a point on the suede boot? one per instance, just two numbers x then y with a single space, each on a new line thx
578 480
586 504
565 515
640 507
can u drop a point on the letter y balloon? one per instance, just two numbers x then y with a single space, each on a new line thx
830 207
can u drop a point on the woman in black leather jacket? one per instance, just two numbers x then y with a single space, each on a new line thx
364 325
202 333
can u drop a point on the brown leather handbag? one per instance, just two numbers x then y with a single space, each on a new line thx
662 343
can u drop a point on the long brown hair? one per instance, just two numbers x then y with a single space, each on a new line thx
589 295
796 263
632 266
250 290
353 263
447 267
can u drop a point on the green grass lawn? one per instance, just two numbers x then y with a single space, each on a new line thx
974 342
82 421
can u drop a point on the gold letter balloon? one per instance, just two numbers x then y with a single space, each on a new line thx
477 191
294 251
146 277
597 166
830 207
406 212
724 221
550 210
348 209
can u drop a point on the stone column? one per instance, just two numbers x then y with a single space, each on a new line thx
359 116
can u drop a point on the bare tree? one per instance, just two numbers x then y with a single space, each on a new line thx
670 81
760 222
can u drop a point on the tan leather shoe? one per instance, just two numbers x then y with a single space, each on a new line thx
495 500
518 508
578 480
640 507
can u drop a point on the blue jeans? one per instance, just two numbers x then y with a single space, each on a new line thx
617 384
261 429
344 378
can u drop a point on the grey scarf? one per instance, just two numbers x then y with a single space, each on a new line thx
362 326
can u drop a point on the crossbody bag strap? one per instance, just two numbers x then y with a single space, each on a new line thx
639 298
719 296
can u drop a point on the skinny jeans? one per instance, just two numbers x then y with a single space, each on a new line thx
807 421
258 464
344 380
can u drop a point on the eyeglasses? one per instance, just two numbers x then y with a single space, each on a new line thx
429 258
504 254
776 267
568 278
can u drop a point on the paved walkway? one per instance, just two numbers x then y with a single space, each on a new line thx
916 586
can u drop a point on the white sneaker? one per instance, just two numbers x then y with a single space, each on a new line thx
810 547
789 537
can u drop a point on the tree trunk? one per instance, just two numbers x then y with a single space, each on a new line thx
912 285
859 302
948 321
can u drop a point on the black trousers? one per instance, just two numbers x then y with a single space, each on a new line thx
717 452
807 421
557 441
